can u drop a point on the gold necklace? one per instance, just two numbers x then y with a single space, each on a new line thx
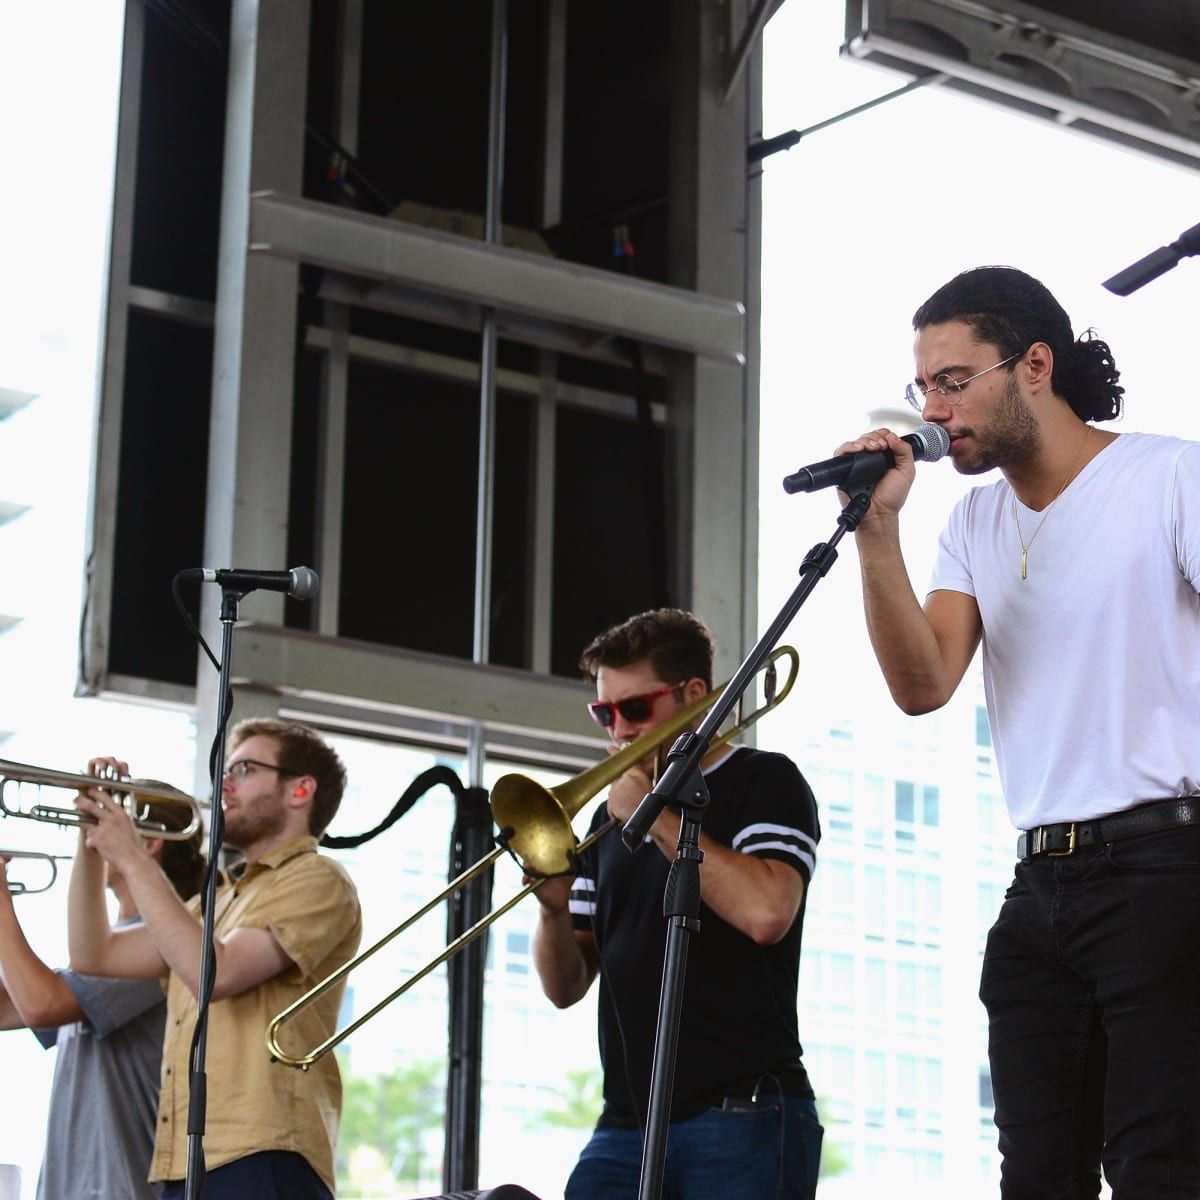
1025 546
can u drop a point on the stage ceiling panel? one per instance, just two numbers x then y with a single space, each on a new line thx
1127 72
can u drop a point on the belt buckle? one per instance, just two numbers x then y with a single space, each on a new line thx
1070 845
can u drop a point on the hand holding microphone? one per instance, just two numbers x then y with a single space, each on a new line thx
869 458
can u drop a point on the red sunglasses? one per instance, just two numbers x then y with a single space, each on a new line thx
634 709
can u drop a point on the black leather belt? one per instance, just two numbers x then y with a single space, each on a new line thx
1069 836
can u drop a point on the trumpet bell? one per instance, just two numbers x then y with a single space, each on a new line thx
533 825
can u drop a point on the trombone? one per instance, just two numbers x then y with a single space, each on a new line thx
18 888
135 795
535 826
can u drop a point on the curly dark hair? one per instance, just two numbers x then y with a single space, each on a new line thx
1011 310
302 751
678 645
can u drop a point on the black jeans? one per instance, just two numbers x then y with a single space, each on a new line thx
1091 980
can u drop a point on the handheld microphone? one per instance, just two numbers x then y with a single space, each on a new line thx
301 583
929 442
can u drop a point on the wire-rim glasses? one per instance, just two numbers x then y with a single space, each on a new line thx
949 388
241 769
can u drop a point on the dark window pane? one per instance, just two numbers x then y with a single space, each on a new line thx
160 496
181 133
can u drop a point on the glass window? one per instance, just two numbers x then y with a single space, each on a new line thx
983 729
986 1099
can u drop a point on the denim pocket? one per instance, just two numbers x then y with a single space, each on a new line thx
1166 850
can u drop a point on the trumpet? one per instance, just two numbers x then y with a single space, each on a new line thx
136 796
18 887
535 827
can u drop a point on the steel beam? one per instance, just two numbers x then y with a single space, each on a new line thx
286 227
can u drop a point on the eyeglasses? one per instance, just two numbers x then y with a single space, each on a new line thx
949 388
633 709
242 768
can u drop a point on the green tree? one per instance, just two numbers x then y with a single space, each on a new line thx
581 1101
393 1114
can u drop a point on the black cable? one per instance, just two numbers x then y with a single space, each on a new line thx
208 899
187 620
415 790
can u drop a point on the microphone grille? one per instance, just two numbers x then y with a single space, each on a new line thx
306 583
930 442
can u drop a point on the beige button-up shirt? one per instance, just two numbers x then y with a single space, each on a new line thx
308 902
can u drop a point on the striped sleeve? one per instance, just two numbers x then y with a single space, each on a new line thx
778 815
582 903
789 842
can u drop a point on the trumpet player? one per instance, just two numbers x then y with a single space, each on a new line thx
285 918
109 1034
743 1119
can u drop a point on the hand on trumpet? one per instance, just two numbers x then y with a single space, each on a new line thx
114 836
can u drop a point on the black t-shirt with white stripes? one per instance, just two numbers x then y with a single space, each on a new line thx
738 1024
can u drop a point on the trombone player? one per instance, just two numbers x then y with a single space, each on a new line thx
285 917
109 1034
743 1119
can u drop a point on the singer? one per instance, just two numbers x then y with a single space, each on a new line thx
1078 569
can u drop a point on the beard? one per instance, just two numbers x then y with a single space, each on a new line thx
1012 436
249 823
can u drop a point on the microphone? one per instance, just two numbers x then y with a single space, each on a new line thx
929 442
301 583
1157 262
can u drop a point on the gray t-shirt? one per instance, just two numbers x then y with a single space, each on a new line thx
100 1131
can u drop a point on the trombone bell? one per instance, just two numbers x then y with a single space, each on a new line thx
533 825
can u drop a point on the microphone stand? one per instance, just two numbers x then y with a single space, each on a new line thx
682 785
198 1080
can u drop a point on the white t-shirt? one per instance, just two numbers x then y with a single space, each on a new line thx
1091 663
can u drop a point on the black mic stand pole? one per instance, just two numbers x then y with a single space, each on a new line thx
198 1080
682 785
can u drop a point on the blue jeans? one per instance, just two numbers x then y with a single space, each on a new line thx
266 1175
1091 980
763 1154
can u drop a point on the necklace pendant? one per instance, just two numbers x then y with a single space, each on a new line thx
1024 564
